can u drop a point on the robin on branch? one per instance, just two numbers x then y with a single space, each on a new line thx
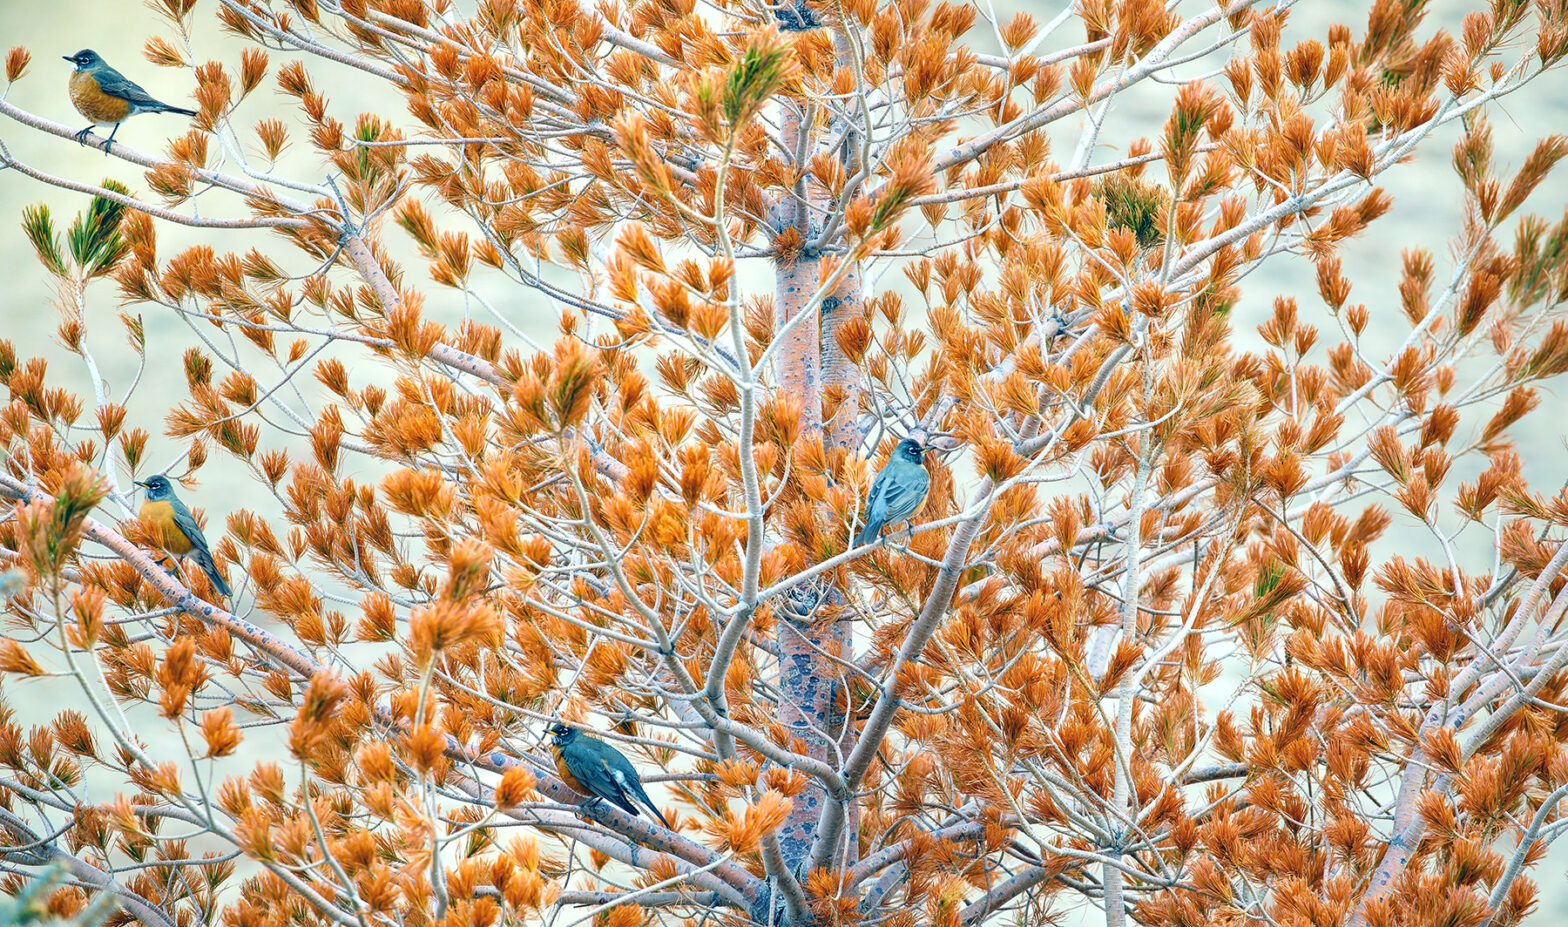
594 768
898 491
106 96
175 528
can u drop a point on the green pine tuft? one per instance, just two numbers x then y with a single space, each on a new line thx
95 235
39 226
1134 205
751 82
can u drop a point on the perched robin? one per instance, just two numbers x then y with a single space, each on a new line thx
594 768
898 491
106 96
176 528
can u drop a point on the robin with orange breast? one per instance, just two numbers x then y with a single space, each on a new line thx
175 529
107 97
591 767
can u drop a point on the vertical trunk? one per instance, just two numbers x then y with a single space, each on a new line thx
798 369
810 366
806 702
812 701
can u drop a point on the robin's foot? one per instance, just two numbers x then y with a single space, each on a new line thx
169 567
81 137
586 806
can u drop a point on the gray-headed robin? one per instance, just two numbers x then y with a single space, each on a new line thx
107 97
594 768
176 530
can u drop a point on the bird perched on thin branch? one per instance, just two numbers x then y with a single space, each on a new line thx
898 492
106 96
594 768
175 528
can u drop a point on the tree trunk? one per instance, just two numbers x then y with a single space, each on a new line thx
813 692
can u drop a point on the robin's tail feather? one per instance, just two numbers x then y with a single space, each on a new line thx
178 111
204 560
643 796
869 533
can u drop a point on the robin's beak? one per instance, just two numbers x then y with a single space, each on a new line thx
68 58
139 483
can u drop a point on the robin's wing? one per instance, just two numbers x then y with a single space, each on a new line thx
908 491
590 764
629 782
613 784
200 552
876 500
116 84
897 490
876 505
186 522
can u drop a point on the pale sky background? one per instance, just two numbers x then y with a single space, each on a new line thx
1426 213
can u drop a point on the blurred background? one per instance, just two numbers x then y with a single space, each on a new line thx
1426 193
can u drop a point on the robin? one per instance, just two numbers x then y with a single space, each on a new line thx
594 768
175 528
898 491
106 96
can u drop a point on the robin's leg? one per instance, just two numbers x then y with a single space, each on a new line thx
110 140
170 565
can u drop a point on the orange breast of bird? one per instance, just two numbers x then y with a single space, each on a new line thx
159 517
566 774
93 103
